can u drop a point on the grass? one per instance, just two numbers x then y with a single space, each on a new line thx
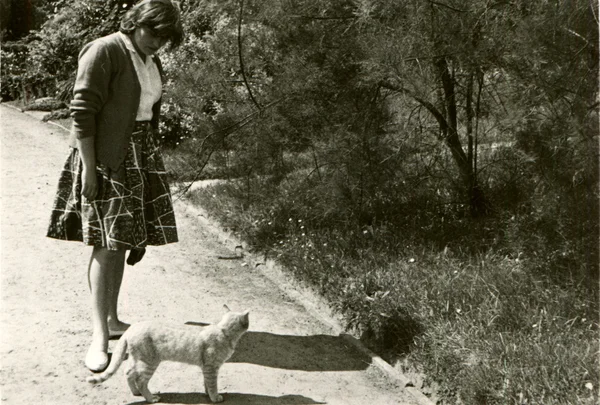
483 327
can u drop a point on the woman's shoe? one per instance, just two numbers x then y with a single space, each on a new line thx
115 333
96 360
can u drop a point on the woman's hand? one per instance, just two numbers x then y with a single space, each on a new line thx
89 181
89 188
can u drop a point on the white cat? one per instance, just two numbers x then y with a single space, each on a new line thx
150 343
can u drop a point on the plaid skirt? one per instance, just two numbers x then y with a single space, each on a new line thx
133 207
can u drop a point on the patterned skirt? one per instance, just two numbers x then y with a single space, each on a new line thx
133 207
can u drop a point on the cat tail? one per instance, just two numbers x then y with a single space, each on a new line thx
117 358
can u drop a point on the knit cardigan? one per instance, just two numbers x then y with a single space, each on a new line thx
106 97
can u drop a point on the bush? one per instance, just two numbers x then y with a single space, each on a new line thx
51 52
19 81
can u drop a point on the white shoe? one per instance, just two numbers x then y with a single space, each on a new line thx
96 360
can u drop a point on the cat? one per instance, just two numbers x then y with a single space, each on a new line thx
149 343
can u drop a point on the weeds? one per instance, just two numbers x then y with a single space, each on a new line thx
484 326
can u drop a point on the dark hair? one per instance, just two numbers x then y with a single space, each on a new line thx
160 16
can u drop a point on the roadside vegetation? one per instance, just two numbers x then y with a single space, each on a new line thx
429 167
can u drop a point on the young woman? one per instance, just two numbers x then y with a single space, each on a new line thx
112 192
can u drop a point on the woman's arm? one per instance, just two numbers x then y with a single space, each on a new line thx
87 152
91 87
89 95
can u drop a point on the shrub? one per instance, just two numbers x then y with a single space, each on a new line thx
19 80
52 51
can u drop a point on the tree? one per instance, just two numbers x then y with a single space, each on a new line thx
465 62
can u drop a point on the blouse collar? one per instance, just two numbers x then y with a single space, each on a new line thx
129 45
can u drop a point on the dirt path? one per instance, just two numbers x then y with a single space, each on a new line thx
288 357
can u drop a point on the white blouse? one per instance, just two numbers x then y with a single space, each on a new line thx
150 81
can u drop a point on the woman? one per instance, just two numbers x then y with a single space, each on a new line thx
112 193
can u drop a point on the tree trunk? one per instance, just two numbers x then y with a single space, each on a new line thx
477 201
448 122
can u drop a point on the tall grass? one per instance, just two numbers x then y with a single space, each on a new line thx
465 302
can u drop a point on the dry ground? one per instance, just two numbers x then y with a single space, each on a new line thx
290 356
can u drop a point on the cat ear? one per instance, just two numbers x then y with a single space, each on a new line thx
226 308
246 319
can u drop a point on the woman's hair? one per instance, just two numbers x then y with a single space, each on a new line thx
160 16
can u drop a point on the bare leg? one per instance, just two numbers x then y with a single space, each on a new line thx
114 324
101 272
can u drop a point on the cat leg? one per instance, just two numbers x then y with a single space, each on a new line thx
131 380
143 374
150 397
210 383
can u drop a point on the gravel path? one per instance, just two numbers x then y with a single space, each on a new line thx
289 356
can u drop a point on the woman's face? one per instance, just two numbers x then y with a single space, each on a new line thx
146 41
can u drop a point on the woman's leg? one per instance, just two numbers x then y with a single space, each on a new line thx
114 324
103 270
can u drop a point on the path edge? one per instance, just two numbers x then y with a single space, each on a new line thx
270 269
314 305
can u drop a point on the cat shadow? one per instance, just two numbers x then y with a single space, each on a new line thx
292 352
231 399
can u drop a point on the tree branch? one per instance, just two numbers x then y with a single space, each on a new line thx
312 17
228 130
388 84
241 58
447 6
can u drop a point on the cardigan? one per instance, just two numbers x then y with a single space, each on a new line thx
149 78
106 96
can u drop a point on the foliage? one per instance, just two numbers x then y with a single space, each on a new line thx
13 69
51 52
